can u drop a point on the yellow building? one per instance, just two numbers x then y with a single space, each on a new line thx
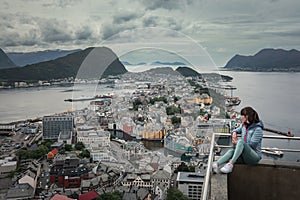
205 99
153 134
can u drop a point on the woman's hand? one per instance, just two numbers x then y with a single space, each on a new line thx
234 138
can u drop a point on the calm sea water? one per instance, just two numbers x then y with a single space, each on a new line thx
275 96
25 103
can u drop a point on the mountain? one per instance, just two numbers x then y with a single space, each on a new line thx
186 71
176 63
5 62
128 63
167 63
162 70
22 59
89 63
267 60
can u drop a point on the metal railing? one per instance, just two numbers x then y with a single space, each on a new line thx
206 186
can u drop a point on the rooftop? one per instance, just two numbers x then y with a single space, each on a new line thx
190 177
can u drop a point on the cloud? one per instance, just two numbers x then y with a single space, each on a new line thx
108 30
165 4
121 21
26 36
84 33
241 25
291 33
60 3
53 30
151 21
162 21
5 5
22 30
125 16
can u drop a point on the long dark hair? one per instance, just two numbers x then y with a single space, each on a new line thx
251 113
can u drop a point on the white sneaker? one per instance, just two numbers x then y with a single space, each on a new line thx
227 168
215 167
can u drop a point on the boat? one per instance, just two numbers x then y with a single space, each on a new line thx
272 151
80 99
103 96
232 101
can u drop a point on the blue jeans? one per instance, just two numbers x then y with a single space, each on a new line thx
242 153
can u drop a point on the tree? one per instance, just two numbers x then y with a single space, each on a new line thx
171 110
32 154
176 120
153 100
176 98
85 154
47 143
68 147
182 168
175 194
136 103
79 146
191 168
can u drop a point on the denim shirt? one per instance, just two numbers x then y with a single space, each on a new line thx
252 135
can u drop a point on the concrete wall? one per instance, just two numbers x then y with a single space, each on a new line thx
270 179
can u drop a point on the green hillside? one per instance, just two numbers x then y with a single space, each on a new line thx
60 68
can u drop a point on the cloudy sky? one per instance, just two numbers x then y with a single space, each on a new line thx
222 28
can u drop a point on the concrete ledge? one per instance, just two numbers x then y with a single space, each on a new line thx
278 163
270 179
218 187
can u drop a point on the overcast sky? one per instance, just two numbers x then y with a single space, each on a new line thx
222 27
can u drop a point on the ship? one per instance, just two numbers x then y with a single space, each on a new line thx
104 96
272 151
232 101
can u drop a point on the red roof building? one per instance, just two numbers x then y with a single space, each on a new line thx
60 197
52 153
89 195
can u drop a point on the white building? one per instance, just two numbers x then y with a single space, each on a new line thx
102 155
141 180
190 184
65 137
161 176
95 138
7 165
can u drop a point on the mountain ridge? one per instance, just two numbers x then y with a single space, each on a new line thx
175 63
5 61
26 58
60 68
267 59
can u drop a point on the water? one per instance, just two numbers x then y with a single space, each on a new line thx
28 103
275 96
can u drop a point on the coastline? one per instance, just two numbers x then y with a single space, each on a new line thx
262 70
22 121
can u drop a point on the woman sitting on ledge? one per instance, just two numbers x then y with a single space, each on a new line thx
247 149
